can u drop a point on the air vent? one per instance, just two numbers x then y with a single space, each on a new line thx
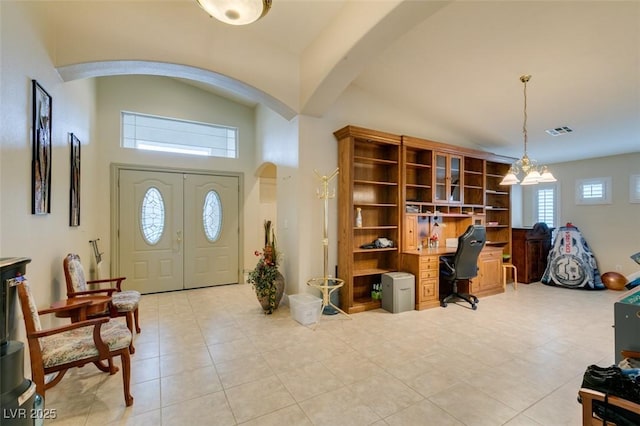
559 131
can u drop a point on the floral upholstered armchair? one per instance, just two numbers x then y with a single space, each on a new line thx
56 350
125 302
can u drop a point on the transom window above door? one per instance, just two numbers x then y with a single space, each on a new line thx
154 133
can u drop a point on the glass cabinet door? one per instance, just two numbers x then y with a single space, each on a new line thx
448 174
456 174
441 178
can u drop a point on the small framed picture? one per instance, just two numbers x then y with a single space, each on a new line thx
41 159
74 186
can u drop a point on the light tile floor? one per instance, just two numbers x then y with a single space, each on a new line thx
210 357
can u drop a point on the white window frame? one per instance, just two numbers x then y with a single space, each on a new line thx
634 189
556 204
166 134
583 185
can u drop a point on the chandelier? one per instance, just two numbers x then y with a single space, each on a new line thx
533 173
236 12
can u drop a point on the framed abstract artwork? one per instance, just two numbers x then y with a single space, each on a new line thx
41 158
74 186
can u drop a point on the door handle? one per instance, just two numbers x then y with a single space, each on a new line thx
179 236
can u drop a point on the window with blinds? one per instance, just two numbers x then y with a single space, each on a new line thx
153 133
546 206
593 191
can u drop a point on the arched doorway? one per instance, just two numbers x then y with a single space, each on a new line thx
267 175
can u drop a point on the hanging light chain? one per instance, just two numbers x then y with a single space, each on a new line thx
525 79
533 173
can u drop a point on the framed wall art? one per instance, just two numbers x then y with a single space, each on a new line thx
74 186
41 158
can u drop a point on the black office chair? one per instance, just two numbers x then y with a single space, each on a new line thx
463 265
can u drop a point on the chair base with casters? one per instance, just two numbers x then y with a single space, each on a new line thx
469 298
57 349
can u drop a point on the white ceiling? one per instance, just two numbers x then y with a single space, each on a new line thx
454 63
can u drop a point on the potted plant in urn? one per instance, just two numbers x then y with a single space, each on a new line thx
267 281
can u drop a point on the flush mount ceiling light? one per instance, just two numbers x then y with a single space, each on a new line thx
532 173
236 12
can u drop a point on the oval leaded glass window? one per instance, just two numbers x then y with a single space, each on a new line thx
212 216
152 216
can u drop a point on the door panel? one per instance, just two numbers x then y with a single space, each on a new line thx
184 256
211 261
150 267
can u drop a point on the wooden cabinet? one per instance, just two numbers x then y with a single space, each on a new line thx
425 267
530 250
447 178
369 179
408 189
489 279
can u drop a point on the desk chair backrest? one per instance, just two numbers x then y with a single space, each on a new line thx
465 261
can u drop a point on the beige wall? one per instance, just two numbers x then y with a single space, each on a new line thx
168 97
277 143
43 238
611 230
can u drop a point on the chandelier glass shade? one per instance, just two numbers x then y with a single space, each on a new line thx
525 166
236 12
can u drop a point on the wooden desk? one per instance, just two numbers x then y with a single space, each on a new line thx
96 305
425 265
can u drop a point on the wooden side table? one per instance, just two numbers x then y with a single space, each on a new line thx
93 305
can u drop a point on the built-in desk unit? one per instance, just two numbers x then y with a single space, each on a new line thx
425 265
408 189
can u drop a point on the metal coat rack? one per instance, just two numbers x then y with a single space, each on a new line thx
323 283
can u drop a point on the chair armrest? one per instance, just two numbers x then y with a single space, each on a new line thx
109 292
117 280
445 261
77 305
67 327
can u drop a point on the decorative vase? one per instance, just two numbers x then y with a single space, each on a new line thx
279 288
358 217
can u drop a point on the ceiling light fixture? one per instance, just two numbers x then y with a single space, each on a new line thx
533 174
236 12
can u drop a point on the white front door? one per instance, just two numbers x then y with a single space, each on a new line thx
211 230
177 230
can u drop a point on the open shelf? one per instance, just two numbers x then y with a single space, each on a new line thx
372 160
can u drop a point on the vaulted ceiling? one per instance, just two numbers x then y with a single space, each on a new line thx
455 63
